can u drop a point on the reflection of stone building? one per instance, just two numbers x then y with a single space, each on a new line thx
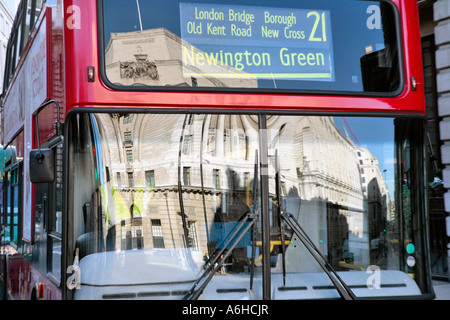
147 157
374 188
328 157
376 195
143 170
320 167
154 58
330 187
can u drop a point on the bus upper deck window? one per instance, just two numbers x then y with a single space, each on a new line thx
285 46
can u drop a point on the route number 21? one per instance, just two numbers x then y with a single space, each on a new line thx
320 19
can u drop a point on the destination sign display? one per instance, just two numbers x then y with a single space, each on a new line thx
230 41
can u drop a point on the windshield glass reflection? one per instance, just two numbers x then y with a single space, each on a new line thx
170 192
294 45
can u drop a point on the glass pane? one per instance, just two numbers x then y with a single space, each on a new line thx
187 205
8 230
28 8
219 175
55 220
15 225
301 45
412 239
196 195
55 258
337 180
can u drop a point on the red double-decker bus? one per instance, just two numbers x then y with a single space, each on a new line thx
214 150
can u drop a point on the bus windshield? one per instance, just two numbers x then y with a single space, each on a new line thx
162 194
323 45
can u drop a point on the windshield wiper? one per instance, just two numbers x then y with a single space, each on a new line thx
218 258
344 291
180 188
255 211
280 210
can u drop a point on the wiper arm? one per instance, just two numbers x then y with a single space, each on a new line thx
255 211
344 291
280 210
180 188
218 259
223 244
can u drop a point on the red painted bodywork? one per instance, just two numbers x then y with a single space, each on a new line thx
73 50
23 281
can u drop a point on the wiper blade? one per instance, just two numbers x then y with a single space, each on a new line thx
344 291
255 211
180 188
280 210
218 259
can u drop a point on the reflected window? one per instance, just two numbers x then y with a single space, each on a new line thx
129 153
158 238
127 137
187 144
150 178
192 235
119 180
186 176
128 119
216 177
130 180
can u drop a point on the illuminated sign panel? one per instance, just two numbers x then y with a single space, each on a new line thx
260 42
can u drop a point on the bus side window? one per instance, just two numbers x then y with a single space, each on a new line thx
13 206
55 216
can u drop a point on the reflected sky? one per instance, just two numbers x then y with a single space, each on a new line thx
375 135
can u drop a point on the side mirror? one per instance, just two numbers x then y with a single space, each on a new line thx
42 166
42 161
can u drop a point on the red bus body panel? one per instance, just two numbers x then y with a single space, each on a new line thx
74 49
80 92
24 281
